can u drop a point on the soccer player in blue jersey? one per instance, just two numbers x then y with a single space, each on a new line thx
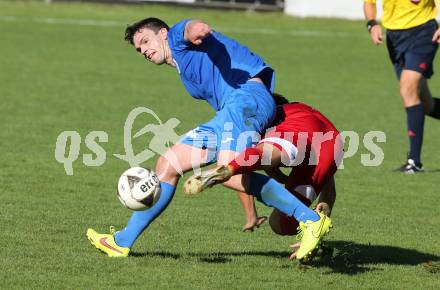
238 85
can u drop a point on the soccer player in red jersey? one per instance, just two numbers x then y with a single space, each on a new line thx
302 139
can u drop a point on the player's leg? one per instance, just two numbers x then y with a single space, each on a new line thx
264 188
264 156
306 179
277 148
313 225
426 97
417 55
415 113
250 110
247 161
430 103
283 224
268 191
188 153
397 49
271 193
177 160
409 87
304 182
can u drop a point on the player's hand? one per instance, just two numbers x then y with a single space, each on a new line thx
255 224
436 37
196 31
376 34
324 208
295 248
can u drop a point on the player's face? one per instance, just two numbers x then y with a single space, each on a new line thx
151 45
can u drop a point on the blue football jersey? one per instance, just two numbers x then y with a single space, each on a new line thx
212 70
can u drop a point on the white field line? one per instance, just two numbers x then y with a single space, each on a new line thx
262 31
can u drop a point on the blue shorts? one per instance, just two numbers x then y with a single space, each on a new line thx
239 124
413 49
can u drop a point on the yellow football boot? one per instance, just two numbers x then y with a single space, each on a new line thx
311 234
106 243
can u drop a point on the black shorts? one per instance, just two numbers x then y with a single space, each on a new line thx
413 49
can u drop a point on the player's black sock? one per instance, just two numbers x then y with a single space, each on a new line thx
415 120
435 113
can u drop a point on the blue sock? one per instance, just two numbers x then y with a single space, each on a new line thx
415 121
140 220
273 194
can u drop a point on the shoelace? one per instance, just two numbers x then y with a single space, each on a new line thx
112 230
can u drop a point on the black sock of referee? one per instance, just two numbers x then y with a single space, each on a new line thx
435 113
416 121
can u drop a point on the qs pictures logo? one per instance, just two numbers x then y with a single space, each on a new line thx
69 143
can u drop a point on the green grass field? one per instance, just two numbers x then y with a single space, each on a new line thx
66 67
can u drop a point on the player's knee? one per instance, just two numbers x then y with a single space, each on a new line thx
409 94
165 171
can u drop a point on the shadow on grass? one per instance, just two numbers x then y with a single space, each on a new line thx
156 254
214 257
353 258
345 257
226 257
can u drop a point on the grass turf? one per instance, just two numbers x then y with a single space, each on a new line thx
57 74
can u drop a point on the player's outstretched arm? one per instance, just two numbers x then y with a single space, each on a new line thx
196 31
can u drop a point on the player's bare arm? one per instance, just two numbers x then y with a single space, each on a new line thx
196 31
253 221
375 29
327 197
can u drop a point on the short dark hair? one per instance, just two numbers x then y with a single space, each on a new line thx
152 23
279 99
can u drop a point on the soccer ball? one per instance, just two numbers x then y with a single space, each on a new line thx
138 188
